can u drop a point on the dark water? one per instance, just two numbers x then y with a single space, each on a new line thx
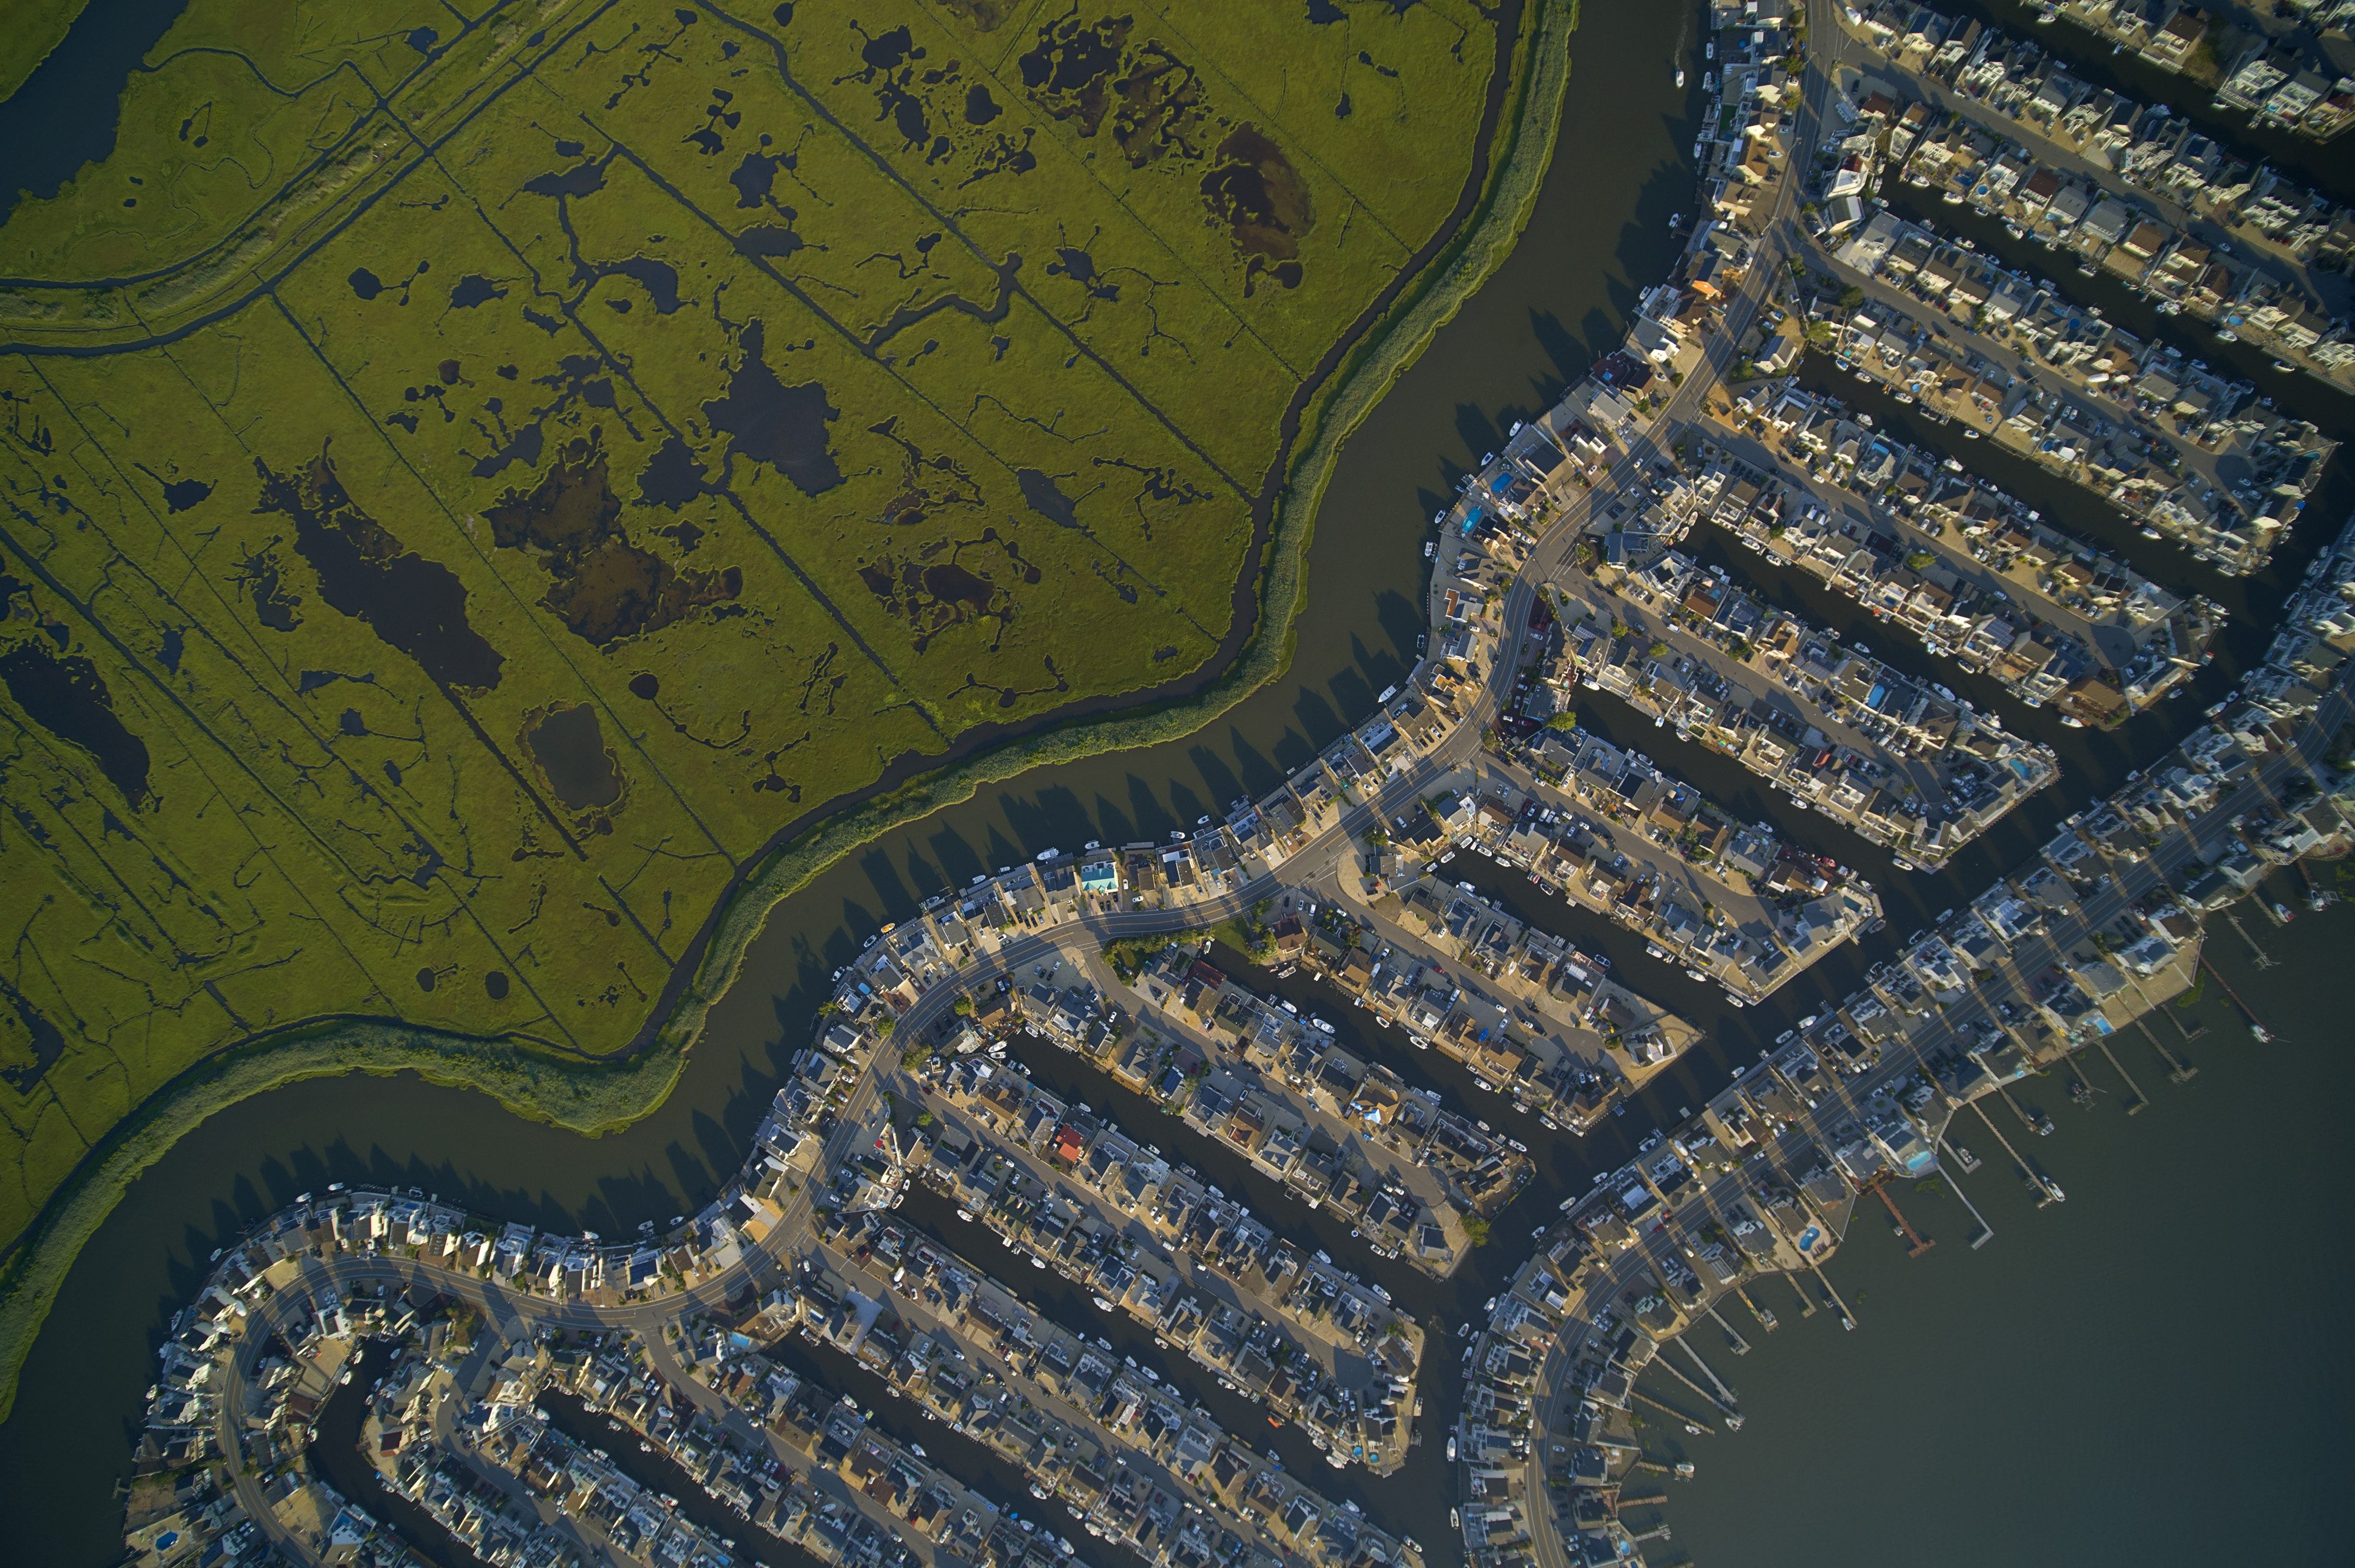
67 697
571 750
66 113
1563 298
2156 1372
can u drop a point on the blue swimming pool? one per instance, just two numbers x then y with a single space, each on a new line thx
1807 1242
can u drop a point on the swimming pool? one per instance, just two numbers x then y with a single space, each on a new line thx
1807 1242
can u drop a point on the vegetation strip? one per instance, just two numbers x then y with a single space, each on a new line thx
593 1099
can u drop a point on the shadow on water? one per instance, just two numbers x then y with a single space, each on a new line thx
68 111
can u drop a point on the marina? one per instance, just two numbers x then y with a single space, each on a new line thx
1764 1501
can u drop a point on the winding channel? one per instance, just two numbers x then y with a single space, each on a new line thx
1599 235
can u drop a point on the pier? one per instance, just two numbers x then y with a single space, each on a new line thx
1765 1319
2141 1099
1986 1231
2257 1026
1848 1318
1729 1402
2035 1177
2265 959
1741 1345
1725 1407
1665 1408
2177 1071
1880 1186
1807 1303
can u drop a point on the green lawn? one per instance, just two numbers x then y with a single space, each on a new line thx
525 463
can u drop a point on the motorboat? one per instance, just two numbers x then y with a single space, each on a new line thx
1680 77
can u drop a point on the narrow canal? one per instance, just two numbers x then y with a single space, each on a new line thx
1564 297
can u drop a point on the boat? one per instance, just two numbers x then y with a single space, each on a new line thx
2226 334
2261 1034
1451 1450
1456 1519
1680 76
1049 853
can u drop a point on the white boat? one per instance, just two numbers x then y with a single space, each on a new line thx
1680 76
1049 853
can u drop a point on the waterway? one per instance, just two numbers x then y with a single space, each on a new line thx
1600 234
2155 1371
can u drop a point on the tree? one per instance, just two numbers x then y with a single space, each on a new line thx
1475 1230
887 1028
1851 296
1657 650
924 1118
1921 560
962 1006
1563 721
